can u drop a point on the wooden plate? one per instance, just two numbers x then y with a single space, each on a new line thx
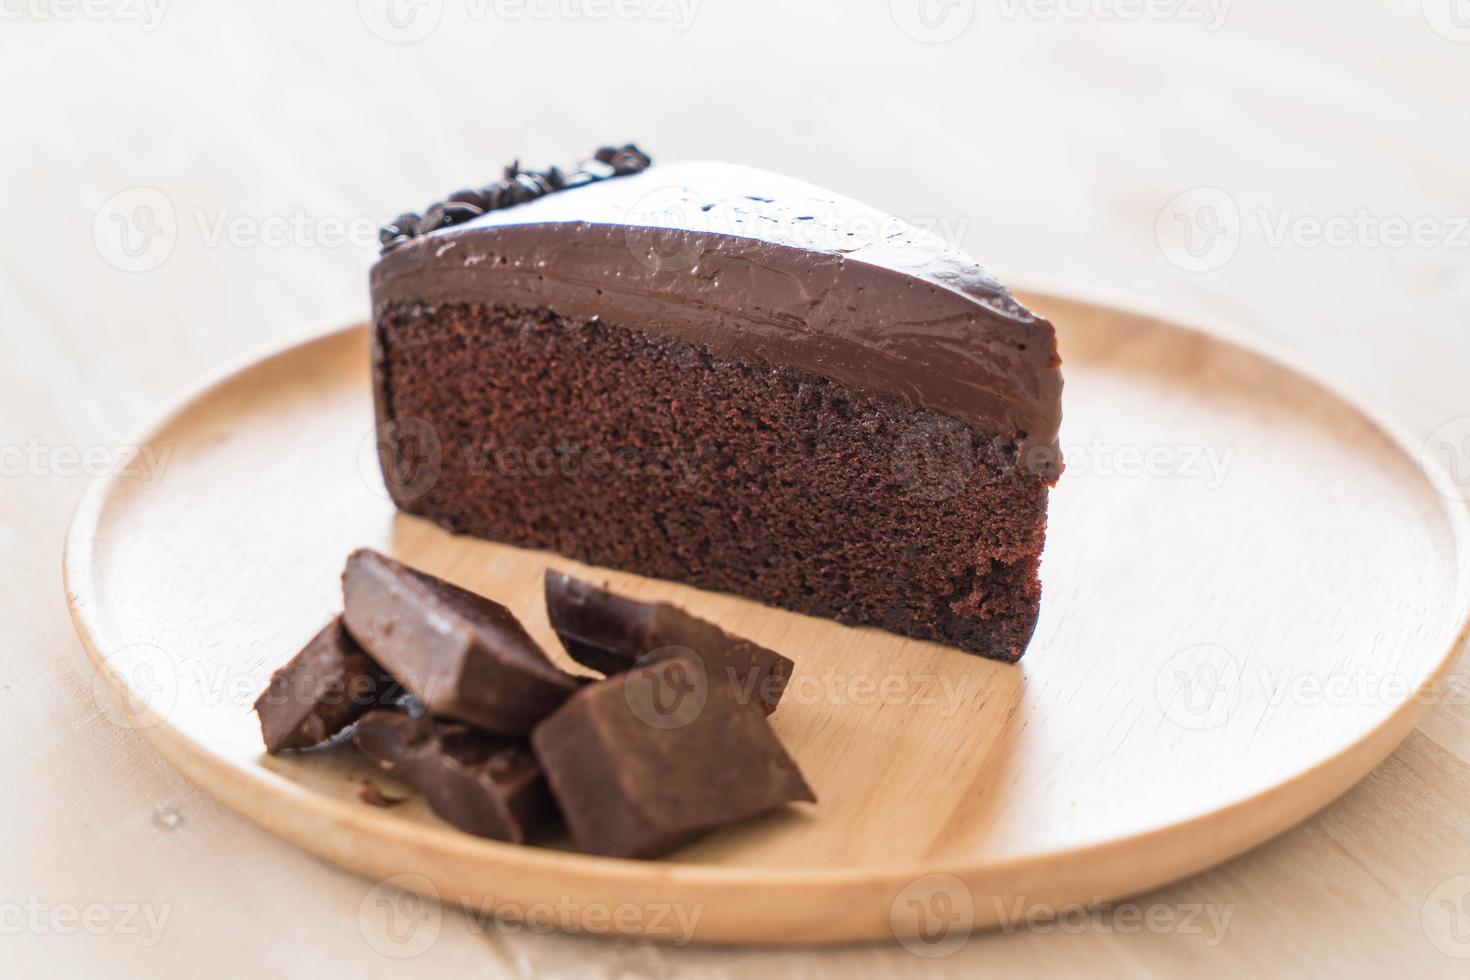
1251 589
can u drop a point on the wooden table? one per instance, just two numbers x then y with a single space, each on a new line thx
184 185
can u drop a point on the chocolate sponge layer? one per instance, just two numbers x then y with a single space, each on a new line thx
630 450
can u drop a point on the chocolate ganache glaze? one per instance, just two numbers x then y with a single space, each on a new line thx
757 266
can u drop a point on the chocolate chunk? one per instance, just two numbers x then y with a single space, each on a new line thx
468 195
610 633
623 159
407 223
321 691
649 760
435 217
371 794
483 784
463 655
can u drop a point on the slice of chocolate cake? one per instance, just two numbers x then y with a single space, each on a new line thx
717 375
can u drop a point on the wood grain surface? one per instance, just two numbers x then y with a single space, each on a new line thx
181 191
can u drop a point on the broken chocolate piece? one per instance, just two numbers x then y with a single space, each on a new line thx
371 794
483 784
464 656
319 692
611 633
647 761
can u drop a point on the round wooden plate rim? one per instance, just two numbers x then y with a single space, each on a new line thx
1353 760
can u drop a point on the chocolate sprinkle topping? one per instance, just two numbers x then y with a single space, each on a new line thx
517 186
